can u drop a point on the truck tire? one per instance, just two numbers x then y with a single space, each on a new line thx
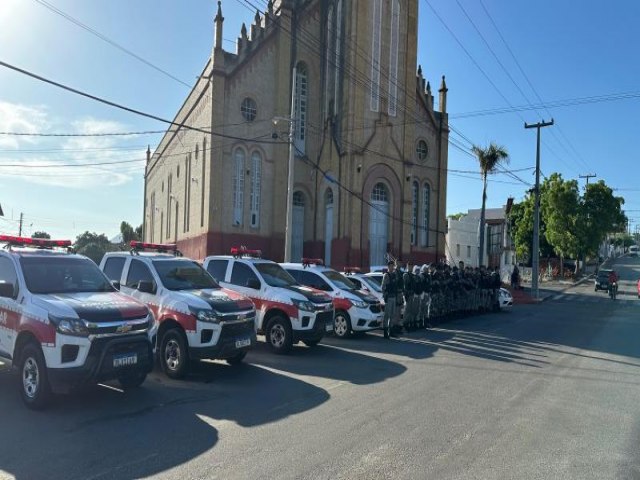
279 336
236 359
34 383
132 380
342 324
174 356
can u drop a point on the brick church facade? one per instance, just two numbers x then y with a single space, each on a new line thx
371 151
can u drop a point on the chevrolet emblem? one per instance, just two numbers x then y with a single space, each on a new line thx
124 328
242 316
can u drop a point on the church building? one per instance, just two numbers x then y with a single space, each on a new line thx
370 149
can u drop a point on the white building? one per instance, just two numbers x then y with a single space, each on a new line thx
463 240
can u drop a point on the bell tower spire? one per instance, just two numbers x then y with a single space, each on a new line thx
219 20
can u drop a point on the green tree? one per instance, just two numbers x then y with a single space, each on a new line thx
94 245
128 233
560 207
457 216
44 235
521 227
489 159
601 214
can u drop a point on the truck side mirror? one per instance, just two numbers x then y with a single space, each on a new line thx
146 287
7 290
253 283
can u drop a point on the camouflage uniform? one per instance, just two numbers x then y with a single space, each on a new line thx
391 290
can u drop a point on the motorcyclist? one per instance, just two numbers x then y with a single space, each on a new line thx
613 280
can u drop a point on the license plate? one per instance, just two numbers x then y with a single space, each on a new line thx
125 360
329 326
245 342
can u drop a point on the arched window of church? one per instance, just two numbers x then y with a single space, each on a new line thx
302 92
329 67
238 186
376 32
337 50
393 57
426 193
256 181
415 198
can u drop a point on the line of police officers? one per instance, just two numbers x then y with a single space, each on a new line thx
433 293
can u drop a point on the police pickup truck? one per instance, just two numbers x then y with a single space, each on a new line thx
63 324
197 318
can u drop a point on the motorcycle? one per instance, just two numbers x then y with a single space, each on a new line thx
613 290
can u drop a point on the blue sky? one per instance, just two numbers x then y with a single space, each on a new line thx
566 52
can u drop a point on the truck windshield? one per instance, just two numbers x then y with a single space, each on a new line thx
339 280
64 274
372 284
275 275
183 275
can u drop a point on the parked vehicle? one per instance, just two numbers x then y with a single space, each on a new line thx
365 283
286 312
602 280
196 318
63 324
633 250
505 298
355 311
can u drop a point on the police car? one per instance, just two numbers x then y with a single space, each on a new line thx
365 283
63 324
286 312
197 319
355 311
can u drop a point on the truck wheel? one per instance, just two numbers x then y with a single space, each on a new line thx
279 336
236 359
36 391
342 324
174 356
132 380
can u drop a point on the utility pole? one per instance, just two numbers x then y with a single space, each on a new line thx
587 177
288 238
535 263
20 224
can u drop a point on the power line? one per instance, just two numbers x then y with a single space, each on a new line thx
109 41
123 107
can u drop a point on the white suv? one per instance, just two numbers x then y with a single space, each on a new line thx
197 319
286 312
64 325
365 283
356 311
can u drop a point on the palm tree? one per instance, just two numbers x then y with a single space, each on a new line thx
489 159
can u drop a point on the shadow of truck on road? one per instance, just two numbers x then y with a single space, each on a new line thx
101 433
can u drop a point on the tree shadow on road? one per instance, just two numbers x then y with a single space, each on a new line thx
101 433
422 344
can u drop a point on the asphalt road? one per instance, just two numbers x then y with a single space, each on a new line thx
545 391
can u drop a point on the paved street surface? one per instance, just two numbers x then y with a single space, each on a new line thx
546 391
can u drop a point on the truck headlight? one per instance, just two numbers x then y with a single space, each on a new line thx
305 305
205 315
70 326
359 304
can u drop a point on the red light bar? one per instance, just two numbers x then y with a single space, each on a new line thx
240 251
352 270
312 261
35 242
160 247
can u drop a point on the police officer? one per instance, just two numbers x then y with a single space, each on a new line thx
391 292
425 308
417 297
409 292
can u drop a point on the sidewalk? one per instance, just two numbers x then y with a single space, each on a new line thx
546 289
